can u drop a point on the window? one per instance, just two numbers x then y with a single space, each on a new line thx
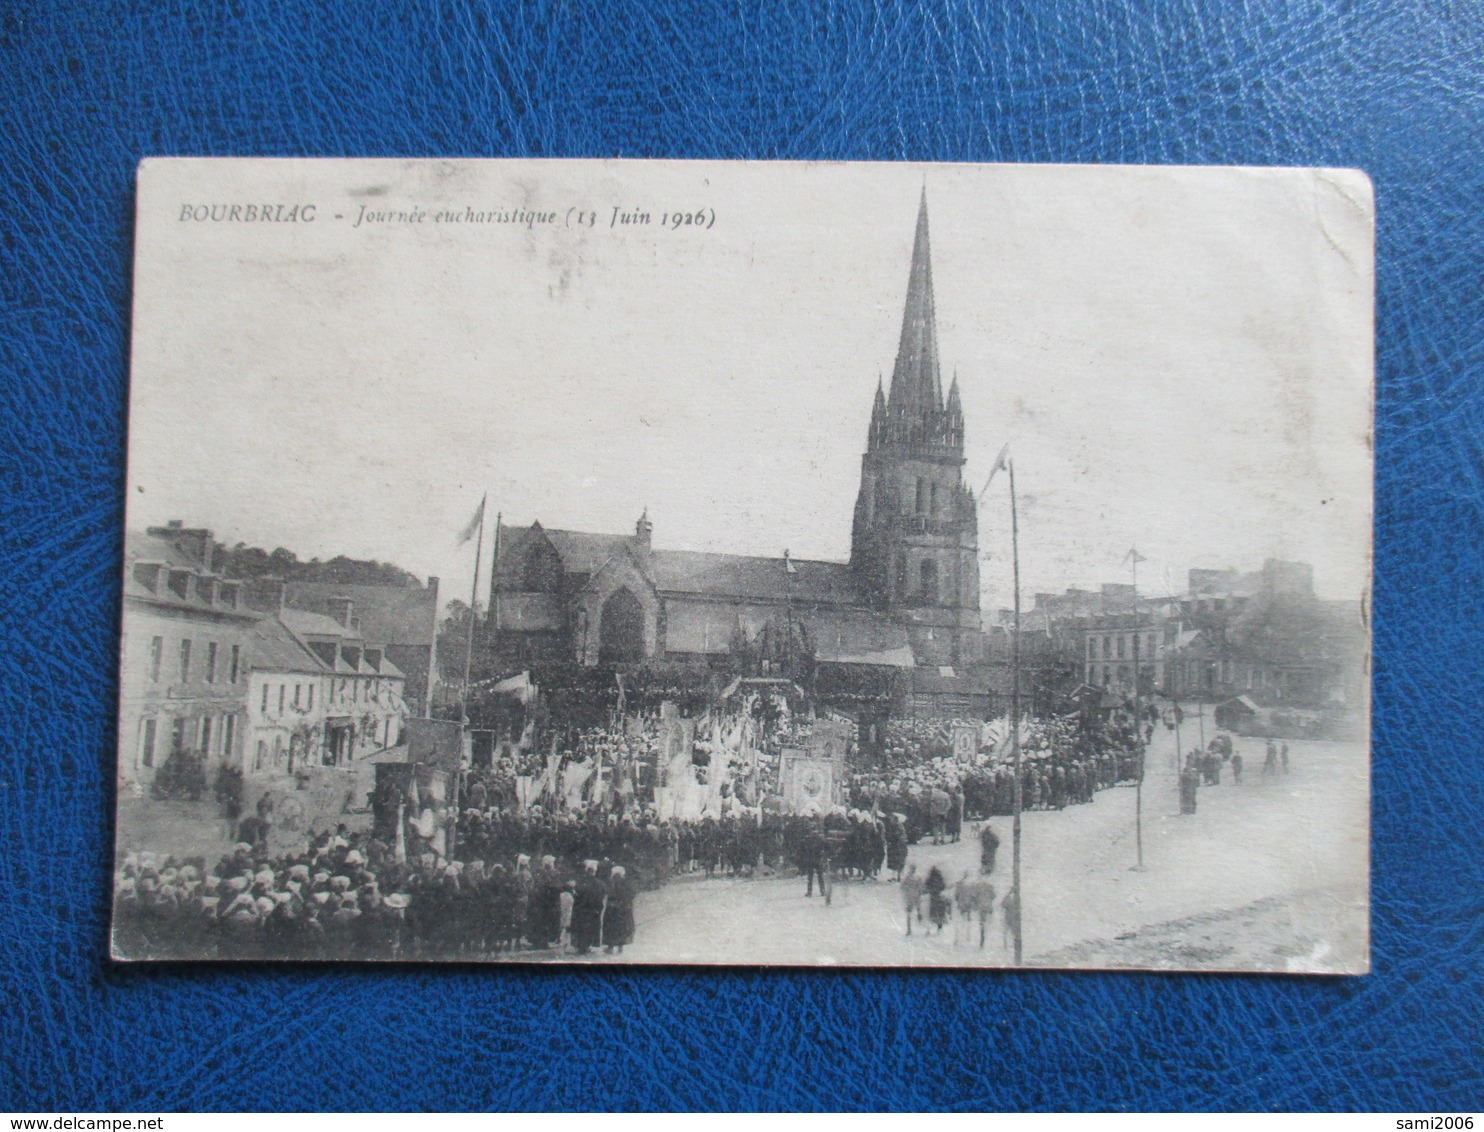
921 494
1092 647
1121 646
1107 674
1107 647
296 696
147 741
282 691
156 651
265 699
177 735
901 573
211 662
928 569
933 499
229 735
205 735
236 667
185 662
310 705
262 758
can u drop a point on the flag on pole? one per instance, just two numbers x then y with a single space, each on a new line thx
1000 461
473 528
1135 555
788 564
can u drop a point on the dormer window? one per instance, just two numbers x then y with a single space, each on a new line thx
147 574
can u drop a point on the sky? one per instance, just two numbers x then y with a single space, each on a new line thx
1180 359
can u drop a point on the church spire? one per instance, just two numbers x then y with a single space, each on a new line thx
877 434
916 402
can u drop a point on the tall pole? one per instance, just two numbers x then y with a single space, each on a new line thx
1015 717
458 774
473 612
1138 724
495 566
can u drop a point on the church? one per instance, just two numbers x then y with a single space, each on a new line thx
905 606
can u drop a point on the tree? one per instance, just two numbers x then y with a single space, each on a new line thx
248 562
453 640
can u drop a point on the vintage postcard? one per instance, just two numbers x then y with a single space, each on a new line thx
748 563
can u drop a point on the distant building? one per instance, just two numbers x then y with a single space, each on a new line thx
321 693
402 620
1266 634
908 599
1262 633
184 668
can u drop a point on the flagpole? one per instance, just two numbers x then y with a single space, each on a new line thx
494 565
1015 715
473 611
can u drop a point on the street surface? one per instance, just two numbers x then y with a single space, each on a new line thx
1268 875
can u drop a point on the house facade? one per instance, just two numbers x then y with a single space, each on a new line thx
183 674
320 694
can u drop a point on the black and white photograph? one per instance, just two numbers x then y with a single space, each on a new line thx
748 563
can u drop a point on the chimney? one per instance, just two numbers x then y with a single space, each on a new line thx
643 529
340 608
194 542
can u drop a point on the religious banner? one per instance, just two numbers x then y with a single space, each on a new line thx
965 741
434 742
809 784
829 739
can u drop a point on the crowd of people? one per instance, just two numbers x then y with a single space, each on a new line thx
1064 762
349 896
544 850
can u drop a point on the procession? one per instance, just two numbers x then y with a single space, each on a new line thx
553 862
630 741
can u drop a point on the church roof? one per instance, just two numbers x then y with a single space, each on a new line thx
583 552
704 573
745 576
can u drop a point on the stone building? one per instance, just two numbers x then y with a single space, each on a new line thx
907 599
183 672
322 693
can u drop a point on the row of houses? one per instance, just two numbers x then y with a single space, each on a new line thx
267 676
1263 634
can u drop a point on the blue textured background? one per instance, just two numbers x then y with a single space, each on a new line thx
86 90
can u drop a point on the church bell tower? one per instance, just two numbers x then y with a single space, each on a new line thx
915 540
